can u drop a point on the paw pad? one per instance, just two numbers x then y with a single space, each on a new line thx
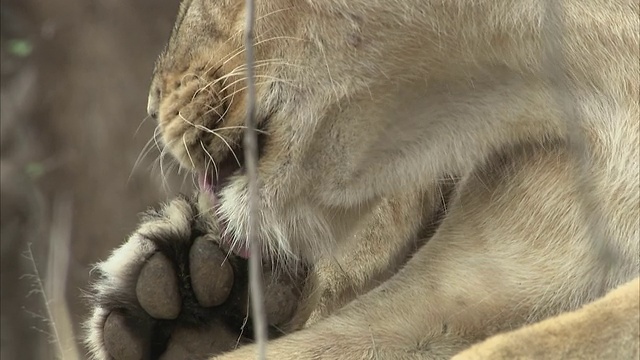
157 288
211 276
121 341
169 293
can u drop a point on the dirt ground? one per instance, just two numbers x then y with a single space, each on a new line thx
74 85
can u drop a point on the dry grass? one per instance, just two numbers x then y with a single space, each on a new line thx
51 286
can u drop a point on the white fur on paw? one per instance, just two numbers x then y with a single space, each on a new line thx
122 266
176 219
119 273
94 338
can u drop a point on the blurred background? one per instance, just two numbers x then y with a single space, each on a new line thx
73 96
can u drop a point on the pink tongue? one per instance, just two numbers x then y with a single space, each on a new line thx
205 183
243 252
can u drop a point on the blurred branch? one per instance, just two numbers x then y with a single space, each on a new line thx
251 155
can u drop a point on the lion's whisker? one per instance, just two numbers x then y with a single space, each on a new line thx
201 127
186 148
146 149
215 167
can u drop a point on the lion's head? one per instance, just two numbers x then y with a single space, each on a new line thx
334 88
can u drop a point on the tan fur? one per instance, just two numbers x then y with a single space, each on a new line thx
613 320
368 105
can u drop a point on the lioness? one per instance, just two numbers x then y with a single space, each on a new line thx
420 191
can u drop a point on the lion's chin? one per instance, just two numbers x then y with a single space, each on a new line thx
239 248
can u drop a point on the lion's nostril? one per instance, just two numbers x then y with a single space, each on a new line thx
153 103
152 109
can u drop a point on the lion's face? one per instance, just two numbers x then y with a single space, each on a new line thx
197 92
314 90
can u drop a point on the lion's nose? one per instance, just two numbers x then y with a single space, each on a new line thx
153 103
153 113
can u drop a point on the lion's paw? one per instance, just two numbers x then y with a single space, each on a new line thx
171 292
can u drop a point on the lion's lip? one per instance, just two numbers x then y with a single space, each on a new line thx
216 176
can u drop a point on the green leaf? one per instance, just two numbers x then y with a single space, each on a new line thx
34 170
21 48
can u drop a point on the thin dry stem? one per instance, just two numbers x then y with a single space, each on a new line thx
251 155
57 272
37 278
52 287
